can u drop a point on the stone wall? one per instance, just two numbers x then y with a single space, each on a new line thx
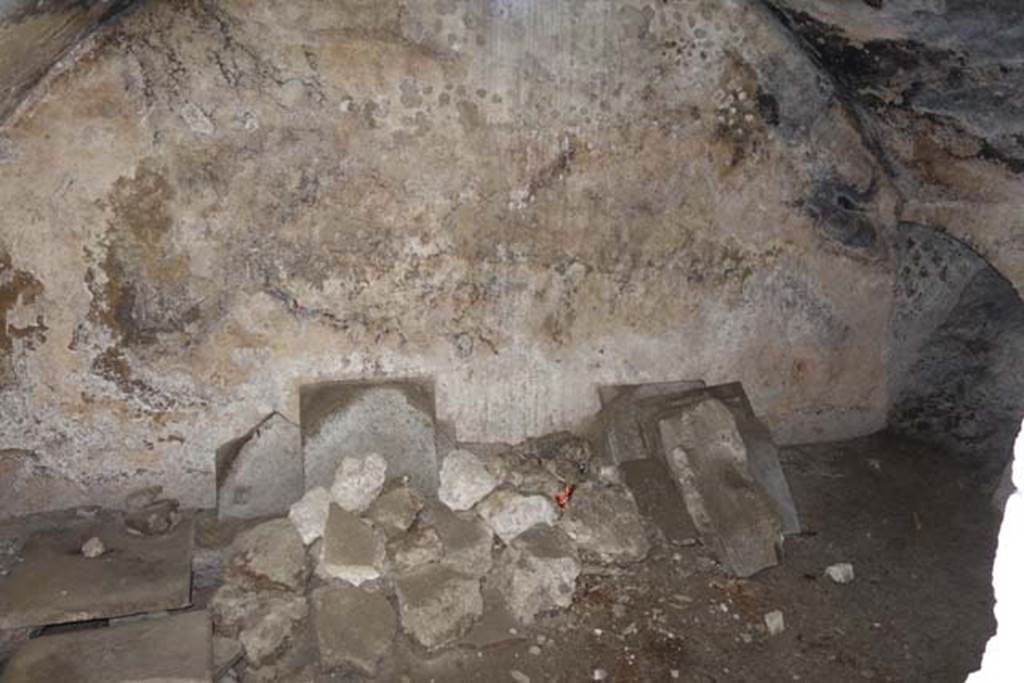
221 202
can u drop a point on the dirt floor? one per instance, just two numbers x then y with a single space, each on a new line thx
916 525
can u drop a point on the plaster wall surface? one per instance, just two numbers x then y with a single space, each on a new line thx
223 201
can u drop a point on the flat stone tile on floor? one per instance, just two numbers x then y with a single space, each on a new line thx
174 648
54 583
392 418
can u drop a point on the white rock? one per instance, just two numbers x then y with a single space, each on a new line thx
309 515
840 573
358 481
775 622
518 676
93 548
510 514
465 480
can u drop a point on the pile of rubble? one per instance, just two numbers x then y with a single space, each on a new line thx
384 534
494 547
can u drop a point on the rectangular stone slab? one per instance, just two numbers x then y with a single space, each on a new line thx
392 418
762 454
658 499
617 433
54 583
172 648
709 461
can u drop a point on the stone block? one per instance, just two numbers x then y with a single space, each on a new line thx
466 540
394 419
395 511
658 498
354 627
709 460
437 605
261 473
270 555
465 480
509 513
537 573
352 549
605 522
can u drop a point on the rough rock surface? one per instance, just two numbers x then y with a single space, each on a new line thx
509 513
352 550
466 540
358 481
476 175
354 627
537 573
269 633
419 547
437 605
309 515
465 480
270 554
605 521
260 474
396 510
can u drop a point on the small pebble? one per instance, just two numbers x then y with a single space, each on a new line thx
674 673
93 548
534 650
519 676
775 622
600 674
840 573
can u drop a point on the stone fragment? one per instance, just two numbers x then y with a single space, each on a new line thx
437 605
509 513
496 626
419 547
774 622
358 481
604 521
618 429
394 419
395 511
93 548
537 572
467 540
268 634
270 555
841 572
309 515
352 549
260 474
174 648
518 676
465 480
708 459
354 627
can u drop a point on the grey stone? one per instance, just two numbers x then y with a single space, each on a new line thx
537 573
841 572
309 515
260 474
270 554
437 605
137 573
465 480
509 513
352 549
604 521
395 511
468 542
618 428
354 627
174 648
358 481
496 626
658 498
394 419
708 459
419 547
269 632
